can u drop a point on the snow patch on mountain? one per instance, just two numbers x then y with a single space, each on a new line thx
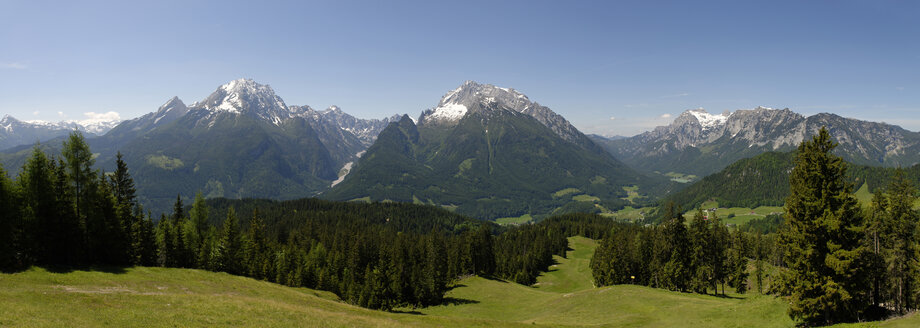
245 96
707 120
449 111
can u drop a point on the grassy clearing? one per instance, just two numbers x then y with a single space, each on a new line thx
572 273
629 213
736 215
632 193
159 297
681 178
585 198
565 296
165 162
515 220
863 195
566 191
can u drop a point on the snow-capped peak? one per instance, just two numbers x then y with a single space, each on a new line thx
456 103
247 96
95 123
707 120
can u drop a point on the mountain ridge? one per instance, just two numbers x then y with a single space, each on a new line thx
687 145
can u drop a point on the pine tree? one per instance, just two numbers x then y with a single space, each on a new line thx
822 240
718 252
701 243
227 250
255 248
166 243
903 257
79 162
677 268
40 234
9 225
197 227
739 262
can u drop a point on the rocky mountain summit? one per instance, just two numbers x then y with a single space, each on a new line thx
475 97
14 132
701 143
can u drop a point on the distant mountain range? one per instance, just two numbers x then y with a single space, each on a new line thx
483 150
701 143
490 152
241 141
14 132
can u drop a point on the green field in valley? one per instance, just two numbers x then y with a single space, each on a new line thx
736 215
565 296
515 220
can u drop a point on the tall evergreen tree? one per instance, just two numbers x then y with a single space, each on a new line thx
10 251
40 234
902 260
197 227
676 269
720 243
79 161
701 245
823 238
227 250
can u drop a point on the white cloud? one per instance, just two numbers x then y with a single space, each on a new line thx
61 114
613 118
666 115
35 113
13 65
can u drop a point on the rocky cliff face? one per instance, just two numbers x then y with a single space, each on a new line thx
701 143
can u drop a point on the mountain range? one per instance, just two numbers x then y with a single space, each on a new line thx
241 141
490 152
701 143
483 150
14 132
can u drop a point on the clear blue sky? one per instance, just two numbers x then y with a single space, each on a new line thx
634 62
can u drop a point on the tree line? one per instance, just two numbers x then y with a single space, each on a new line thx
60 212
834 261
697 257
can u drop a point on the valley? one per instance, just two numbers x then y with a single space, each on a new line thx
564 296
460 164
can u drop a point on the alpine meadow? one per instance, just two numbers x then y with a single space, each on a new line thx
459 164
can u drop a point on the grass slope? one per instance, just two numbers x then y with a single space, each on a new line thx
159 297
565 297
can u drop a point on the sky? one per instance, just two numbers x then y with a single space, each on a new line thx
610 67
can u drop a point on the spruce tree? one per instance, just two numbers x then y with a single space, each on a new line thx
40 235
903 256
79 163
701 245
9 227
822 240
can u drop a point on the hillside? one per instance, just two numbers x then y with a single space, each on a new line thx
160 297
763 180
489 152
700 143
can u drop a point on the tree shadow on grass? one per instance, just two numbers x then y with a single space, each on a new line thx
458 301
412 312
727 296
94 268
